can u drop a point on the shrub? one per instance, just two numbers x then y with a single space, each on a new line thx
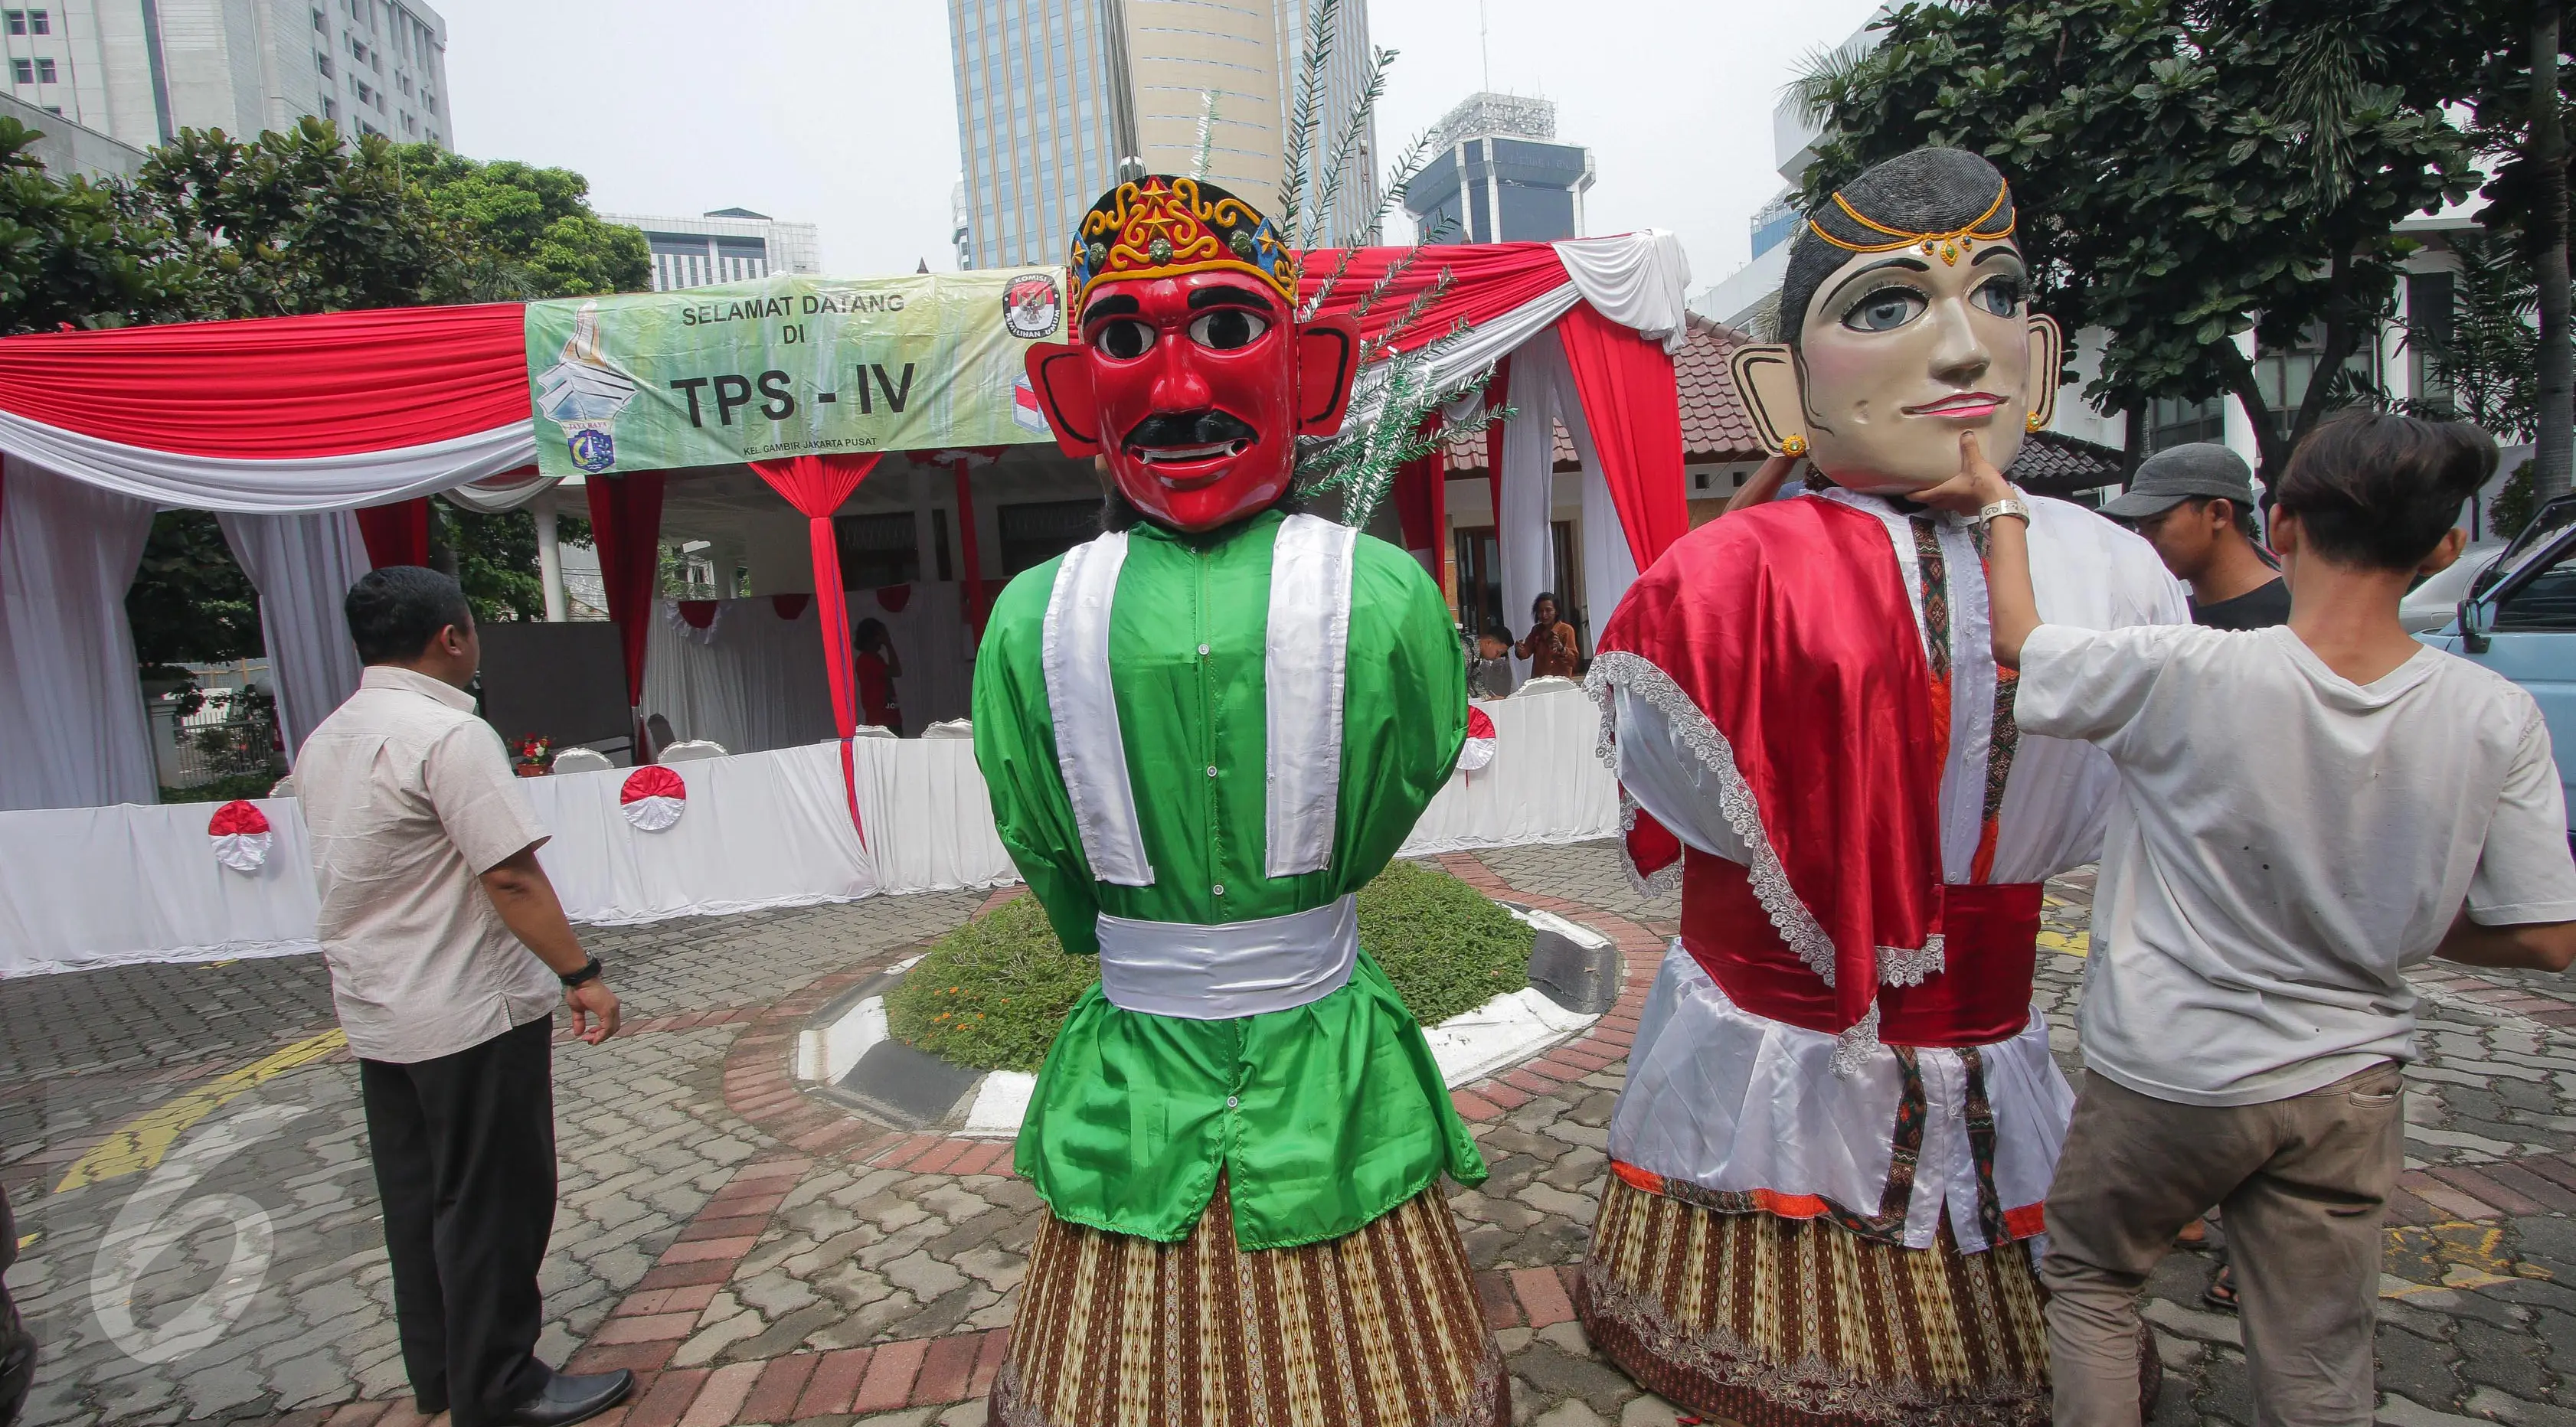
992 994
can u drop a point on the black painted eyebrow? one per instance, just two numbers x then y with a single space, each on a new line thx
1912 264
1225 297
1997 252
1114 305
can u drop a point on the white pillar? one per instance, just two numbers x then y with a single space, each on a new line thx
2238 432
549 556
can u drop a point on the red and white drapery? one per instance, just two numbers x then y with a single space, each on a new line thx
283 426
1583 332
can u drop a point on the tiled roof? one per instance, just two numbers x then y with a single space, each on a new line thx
1714 425
2055 464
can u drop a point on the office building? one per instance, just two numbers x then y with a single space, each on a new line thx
139 71
1053 94
67 149
1496 174
728 245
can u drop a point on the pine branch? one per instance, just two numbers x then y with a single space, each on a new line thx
1313 69
1354 130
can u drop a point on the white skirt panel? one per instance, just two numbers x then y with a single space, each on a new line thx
1730 1101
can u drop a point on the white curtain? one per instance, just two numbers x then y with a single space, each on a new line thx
72 728
303 566
507 491
308 483
1542 393
1529 448
1543 786
752 681
772 830
1637 280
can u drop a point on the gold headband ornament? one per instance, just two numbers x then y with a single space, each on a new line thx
1948 245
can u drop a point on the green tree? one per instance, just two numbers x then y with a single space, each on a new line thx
2522 128
298 222
495 557
190 603
2185 169
72 252
2485 348
528 232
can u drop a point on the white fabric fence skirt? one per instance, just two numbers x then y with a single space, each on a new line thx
107 886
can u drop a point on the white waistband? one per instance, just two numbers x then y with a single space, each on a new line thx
1215 973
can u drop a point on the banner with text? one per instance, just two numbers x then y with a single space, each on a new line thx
786 366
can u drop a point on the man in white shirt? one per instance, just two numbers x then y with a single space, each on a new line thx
448 951
2305 810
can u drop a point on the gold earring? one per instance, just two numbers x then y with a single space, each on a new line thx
2032 422
1793 445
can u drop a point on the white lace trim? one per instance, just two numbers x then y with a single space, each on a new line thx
1855 1048
1899 967
1621 669
1798 928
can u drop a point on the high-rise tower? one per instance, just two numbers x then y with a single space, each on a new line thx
1052 95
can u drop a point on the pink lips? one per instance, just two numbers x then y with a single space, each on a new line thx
1967 405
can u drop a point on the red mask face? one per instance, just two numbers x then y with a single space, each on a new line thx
1195 389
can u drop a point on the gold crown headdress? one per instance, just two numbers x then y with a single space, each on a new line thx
1948 246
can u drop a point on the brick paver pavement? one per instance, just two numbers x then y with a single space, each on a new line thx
759 1262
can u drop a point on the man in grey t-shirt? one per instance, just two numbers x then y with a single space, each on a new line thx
448 953
2304 812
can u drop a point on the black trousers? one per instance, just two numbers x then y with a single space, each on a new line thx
465 1165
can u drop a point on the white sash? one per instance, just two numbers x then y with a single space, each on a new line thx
1215 973
1304 660
1303 668
1088 751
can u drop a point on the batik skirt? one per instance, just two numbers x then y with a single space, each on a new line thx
1778 1322
1379 1328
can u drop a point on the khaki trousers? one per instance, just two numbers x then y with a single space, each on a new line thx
2304 1183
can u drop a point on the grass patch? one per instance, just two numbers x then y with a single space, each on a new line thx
1446 948
992 994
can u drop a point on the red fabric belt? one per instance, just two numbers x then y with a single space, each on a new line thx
1982 996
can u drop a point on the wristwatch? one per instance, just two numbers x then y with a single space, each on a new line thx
589 971
2009 505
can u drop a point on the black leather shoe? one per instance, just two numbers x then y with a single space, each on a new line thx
568 1398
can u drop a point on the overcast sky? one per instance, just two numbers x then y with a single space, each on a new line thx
842 112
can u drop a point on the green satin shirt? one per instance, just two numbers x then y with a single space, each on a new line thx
1323 1117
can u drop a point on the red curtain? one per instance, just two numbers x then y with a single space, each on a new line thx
282 387
626 529
1633 405
1487 280
974 568
1421 503
816 486
396 534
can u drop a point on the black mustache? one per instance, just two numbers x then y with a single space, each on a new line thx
1190 428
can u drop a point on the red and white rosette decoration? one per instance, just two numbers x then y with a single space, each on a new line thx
1478 750
653 798
240 834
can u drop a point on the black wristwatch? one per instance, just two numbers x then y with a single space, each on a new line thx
589 972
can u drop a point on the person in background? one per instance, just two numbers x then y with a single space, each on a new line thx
877 666
1550 647
2195 504
448 951
1489 669
2245 1010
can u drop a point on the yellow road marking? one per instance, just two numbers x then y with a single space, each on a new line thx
24 1240
2432 1258
139 1143
2072 943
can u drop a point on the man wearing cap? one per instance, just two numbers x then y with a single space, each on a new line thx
2195 504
